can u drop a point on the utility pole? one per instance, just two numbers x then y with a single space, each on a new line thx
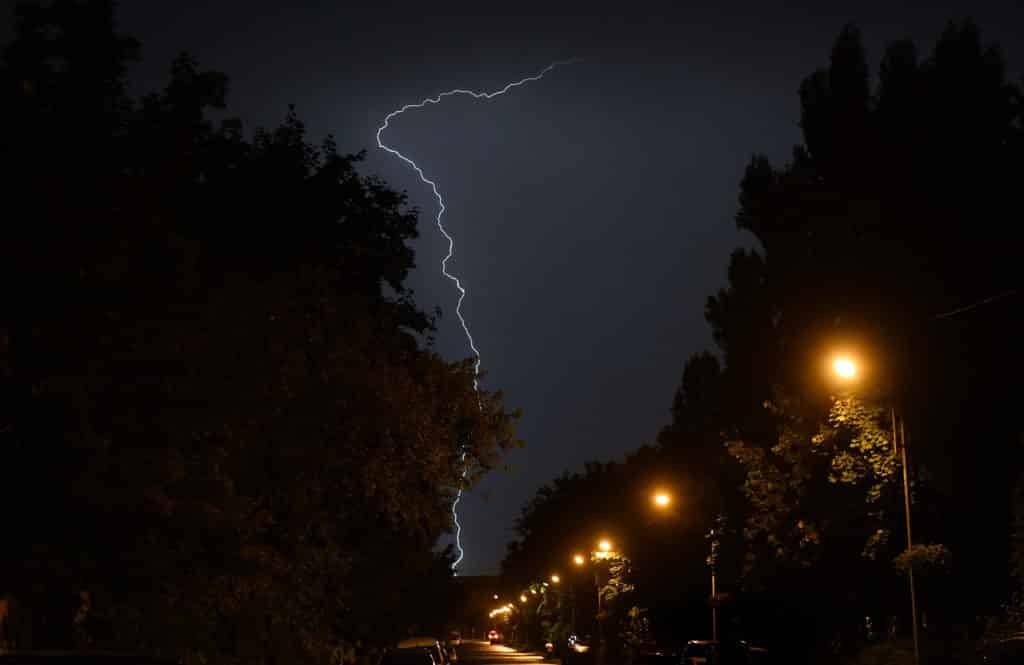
713 534
846 370
714 608
602 648
910 541
575 598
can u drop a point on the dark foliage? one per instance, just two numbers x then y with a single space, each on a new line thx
224 432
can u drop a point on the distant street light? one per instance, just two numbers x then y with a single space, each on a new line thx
661 501
604 546
555 579
522 597
495 596
579 560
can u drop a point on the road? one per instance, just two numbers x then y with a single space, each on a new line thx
473 652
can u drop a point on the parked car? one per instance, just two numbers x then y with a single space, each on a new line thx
729 652
758 655
652 653
429 644
1006 651
581 650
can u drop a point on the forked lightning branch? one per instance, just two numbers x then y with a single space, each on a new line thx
451 243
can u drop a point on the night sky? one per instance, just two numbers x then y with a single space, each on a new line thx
592 211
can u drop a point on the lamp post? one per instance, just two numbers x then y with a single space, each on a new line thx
847 369
713 535
661 500
603 551
579 560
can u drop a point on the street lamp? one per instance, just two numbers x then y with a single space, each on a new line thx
713 535
847 369
555 579
579 560
661 501
604 551
844 367
522 597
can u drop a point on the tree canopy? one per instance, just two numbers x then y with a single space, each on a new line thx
226 433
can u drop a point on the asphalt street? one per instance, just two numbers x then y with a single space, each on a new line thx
474 652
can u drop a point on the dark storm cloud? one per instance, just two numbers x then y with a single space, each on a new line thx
592 211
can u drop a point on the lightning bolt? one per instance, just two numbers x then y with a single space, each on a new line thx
430 101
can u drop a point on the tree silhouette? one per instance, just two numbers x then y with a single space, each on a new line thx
896 209
890 213
226 421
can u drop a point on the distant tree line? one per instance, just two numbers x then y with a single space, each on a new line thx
895 229
225 435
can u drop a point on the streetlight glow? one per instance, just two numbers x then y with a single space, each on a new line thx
661 500
579 560
555 579
522 597
845 367
604 546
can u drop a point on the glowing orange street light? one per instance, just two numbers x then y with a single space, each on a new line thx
661 500
845 367
604 546
522 597
579 560
555 579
